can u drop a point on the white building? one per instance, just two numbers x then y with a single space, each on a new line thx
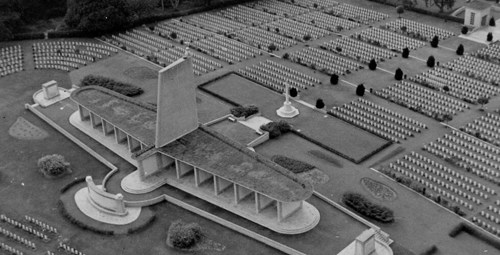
477 14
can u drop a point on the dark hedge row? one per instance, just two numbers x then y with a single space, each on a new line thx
363 206
295 166
120 87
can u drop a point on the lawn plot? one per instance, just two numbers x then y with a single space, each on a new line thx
235 131
351 142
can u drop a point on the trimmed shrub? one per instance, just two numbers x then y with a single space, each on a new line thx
334 79
492 22
460 50
363 206
183 235
489 37
465 30
244 111
276 129
286 56
431 61
406 53
53 165
360 90
435 41
400 10
372 65
293 92
272 47
119 87
398 75
307 37
295 166
320 104
173 35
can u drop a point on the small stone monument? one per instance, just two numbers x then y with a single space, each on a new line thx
287 110
50 90
365 243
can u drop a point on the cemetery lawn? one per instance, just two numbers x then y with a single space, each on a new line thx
335 133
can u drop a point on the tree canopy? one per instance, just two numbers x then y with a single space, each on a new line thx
98 15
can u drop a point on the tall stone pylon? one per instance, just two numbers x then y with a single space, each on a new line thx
176 114
287 110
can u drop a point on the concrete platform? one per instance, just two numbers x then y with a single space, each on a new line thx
40 99
303 220
83 203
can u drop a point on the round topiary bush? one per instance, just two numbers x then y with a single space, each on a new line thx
489 37
465 30
334 79
182 235
460 50
372 65
360 90
53 165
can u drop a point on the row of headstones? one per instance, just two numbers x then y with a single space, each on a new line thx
17 238
24 227
41 224
70 249
10 249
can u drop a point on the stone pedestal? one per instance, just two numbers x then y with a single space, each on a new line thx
50 90
287 110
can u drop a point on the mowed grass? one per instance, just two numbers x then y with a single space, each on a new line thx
235 131
337 134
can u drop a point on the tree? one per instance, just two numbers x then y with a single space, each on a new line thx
398 75
400 10
431 61
489 37
286 56
272 47
360 90
334 80
446 88
460 50
320 104
183 235
482 101
307 37
435 41
372 65
293 92
406 53
97 15
5 33
465 30
492 22
441 4
173 35
53 165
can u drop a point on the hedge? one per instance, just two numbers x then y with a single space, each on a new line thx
295 166
244 111
120 87
276 129
82 225
363 206
74 182
475 232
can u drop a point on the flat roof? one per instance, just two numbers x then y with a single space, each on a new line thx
478 5
133 117
203 148
214 153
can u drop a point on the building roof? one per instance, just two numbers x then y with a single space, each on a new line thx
135 118
214 153
478 5
203 148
